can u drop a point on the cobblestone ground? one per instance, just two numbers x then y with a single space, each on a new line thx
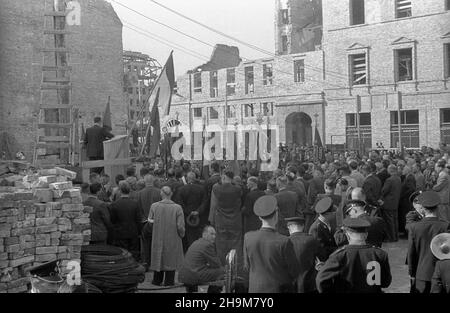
397 257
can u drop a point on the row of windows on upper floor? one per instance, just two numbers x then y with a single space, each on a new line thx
249 79
404 65
249 110
403 8
404 70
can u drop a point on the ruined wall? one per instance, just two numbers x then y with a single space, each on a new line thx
38 225
96 58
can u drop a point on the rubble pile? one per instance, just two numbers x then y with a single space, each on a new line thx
42 219
13 171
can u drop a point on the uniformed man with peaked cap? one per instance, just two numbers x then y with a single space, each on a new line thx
307 250
357 267
269 256
324 227
421 261
376 232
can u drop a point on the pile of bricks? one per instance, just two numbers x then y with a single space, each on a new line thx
42 221
12 171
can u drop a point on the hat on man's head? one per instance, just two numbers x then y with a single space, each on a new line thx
358 225
440 246
294 220
429 199
324 205
193 220
414 195
265 206
354 203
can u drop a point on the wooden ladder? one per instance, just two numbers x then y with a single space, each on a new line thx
56 127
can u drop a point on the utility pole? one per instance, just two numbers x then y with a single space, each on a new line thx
358 122
399 113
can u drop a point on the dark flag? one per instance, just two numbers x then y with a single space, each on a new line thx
107 116
160 99
154 123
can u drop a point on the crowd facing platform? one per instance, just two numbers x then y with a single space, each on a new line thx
305 227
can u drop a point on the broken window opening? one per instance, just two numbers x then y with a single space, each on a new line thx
299 71
403 8
213 113
357 12
231 112
447 59
267 108
249 110
198 112
404 64
284 14
267 74
284 43
213 84
358 69
198 82
249 80
231 80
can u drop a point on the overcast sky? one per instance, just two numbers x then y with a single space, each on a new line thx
249 20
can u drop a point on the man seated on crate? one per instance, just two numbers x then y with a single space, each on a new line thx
201 263
93 140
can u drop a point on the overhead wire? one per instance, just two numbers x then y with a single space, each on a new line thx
327 72
241 41
210 45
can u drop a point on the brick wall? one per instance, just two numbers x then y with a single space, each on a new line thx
38 225
96 58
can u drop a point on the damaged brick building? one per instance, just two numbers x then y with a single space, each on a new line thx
95 49
353 68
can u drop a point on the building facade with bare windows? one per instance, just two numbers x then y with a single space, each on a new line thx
366 72
390 60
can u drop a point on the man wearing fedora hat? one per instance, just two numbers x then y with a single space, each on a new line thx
269 256
357 267
421 261
440 247
307 249
322 229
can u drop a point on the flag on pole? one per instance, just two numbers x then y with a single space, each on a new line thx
160 99
317 139
156 128
107 116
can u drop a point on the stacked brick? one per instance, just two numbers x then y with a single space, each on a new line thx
44 222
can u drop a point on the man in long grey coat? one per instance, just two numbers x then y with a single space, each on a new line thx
168 230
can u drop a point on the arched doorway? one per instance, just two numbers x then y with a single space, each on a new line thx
299 129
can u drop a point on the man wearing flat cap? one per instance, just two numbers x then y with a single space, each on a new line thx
440 247
307 249
269 256
322 229
421 261
357 267
376 232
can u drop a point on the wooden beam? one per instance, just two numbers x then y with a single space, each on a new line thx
103 163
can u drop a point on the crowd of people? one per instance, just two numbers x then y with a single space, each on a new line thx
306 227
